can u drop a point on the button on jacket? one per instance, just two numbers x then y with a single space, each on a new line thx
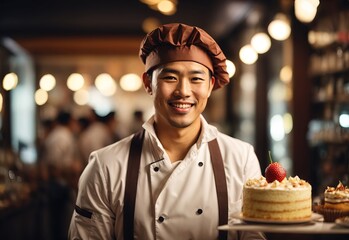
174 200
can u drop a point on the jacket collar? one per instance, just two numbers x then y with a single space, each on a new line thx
208 132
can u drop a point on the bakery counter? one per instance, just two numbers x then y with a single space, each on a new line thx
304 228
314 229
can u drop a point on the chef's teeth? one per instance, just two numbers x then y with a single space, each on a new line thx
182 105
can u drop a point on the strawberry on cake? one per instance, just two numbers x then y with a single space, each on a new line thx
276 197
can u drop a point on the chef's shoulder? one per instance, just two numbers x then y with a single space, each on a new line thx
113 154
233 145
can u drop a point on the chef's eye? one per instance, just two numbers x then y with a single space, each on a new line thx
197 79
169 78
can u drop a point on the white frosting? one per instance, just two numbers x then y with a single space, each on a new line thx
338 194
291 183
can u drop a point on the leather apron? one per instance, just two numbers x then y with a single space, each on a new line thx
132 179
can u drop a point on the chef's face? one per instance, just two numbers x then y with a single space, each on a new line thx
181 90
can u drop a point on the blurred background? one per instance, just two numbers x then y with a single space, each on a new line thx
71 83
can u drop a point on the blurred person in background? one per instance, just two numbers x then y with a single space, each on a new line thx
61 158
178 178
99 132
137 121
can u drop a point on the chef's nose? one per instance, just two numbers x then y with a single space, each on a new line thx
183 87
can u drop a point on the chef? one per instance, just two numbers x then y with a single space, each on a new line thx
179 177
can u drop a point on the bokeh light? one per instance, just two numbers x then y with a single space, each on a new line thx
10 81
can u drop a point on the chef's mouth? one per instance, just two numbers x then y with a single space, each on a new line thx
181 105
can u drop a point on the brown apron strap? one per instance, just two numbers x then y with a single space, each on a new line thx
221 185
131 183
132 179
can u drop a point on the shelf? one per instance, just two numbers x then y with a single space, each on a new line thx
335 73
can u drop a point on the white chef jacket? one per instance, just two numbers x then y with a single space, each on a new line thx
174 200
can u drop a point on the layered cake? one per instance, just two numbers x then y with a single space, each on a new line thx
287 200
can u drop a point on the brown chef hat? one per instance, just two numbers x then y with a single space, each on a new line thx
180 42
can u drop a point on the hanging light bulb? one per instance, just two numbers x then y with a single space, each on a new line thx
261 42
231 69
305 10
75 81
166 7
47 82
105 84
41 96
131 82
279 28
248 55
10 81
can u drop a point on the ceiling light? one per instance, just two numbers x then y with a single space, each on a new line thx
248 55
47 82
279 28
130 82
105 84
10 81
261 42
305 10
75 81
231 69
166 7
41 97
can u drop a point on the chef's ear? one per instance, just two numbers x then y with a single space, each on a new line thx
147 82
212 82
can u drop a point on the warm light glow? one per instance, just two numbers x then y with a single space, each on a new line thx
288 123
277 130
344 120
261 42
231 69
151 2
41 97
279 28
248 82
166 7
75 81
305 10
278 92
47 82
320 39
248 55
131 82
286 74
99 102
1 102
10 81
150 24
81 97
105 84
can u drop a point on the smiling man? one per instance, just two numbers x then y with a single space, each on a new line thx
178 178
